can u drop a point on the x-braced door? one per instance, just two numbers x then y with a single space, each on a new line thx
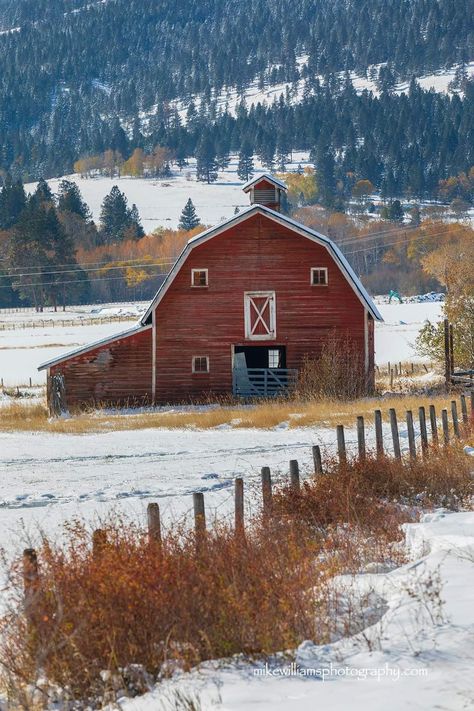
260 315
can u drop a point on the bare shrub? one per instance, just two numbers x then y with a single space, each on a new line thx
377 494
338 373
101 620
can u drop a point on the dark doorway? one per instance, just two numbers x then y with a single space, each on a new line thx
263 356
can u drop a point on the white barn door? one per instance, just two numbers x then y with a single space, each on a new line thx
260 315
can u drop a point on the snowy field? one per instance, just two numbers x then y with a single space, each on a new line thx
23 350
160 202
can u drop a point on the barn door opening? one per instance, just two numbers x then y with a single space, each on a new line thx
260 371
260 315
260 356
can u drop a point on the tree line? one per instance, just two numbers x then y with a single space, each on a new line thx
41 235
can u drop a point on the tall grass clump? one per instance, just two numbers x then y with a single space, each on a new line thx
338 373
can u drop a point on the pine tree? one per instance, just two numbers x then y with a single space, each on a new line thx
12 202
189 219
245 168
70 200
117 221
206 168
324 167
43 194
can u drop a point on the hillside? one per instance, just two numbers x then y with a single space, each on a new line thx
113 74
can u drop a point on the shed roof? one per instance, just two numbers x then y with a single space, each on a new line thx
137 328
264 176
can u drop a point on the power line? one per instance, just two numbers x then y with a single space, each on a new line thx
391 244
74 281
79 269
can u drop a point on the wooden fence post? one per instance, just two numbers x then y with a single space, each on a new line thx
395 435
472 409
451 348
318 464
411 434
294 475
391 379
447 356
154 523
423 429
99 542
444 420
30 582
239 506
454 415
341 444
465 416
361 438
267 491
199 520
433 425
378 433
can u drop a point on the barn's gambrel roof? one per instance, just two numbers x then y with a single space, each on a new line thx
245 214
285 221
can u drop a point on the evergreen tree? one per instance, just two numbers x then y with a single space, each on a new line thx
43 194
117 221
245 167
325 178
12 202
70 200
189 219
206 166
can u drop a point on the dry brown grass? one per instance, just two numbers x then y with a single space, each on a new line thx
24 416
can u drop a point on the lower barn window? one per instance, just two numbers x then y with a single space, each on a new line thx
319 276
200 364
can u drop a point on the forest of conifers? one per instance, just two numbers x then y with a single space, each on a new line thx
104 75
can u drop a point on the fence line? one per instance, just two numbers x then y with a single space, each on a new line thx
466 426
61 323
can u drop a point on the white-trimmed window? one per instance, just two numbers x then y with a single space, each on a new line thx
319 276
199 277
200 364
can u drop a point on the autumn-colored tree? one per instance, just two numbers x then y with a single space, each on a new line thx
362 189
451 263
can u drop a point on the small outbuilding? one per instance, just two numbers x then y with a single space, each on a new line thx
245 305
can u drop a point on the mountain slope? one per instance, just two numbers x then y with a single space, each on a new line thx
74 71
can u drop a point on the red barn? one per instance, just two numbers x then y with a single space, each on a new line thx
245 303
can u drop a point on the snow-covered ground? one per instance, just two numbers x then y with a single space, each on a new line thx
418 656
395 338
160 202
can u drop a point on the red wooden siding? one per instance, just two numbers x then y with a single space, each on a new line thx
256 255
114 373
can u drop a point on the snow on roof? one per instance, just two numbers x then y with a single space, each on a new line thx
90 346
336 253
264 176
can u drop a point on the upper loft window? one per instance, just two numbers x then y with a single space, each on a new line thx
199 277
319 276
